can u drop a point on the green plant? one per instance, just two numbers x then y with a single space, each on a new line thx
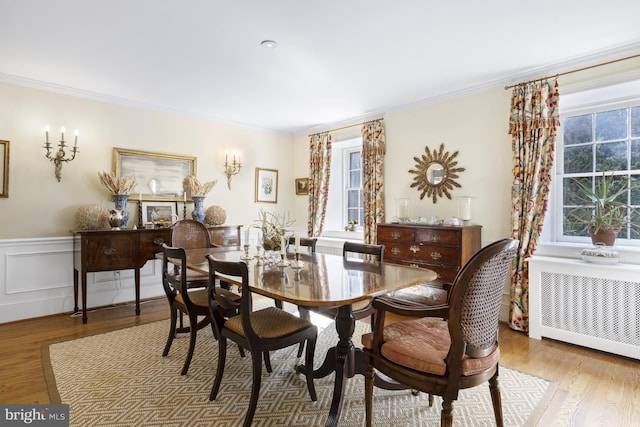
600 207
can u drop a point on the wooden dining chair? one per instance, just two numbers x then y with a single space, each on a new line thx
305 242
193 303
258 331
449 347
191 234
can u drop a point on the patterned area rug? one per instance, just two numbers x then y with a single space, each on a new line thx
121 379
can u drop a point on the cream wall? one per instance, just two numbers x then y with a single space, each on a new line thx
40 206
476 126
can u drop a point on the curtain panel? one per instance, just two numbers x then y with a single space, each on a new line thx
532 125
319 174
373 151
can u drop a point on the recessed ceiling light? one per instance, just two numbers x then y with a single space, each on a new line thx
269 44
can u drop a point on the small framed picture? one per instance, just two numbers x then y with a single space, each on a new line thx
158 213
302 186
266 185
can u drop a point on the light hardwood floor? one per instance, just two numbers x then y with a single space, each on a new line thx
594 388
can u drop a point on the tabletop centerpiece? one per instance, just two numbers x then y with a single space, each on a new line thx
198 193
120 189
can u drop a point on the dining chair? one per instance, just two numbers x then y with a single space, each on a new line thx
305 242
193 303
449 347
191 234
258 331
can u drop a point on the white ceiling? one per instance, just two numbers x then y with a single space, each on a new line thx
336 60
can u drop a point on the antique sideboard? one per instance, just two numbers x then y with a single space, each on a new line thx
442 248
107 250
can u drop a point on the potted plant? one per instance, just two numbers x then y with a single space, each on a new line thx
602 211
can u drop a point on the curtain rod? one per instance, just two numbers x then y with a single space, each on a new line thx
573 71
347 127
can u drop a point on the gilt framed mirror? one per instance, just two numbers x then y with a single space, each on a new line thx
436 173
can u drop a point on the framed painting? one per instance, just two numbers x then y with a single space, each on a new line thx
266 185
4 168
158 212
302 186
159 176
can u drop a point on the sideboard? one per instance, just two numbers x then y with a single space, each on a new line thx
107 250
442 248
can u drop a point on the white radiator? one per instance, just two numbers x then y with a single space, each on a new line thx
595 306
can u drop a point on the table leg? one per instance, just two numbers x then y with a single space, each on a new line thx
75 290
84 296
137 286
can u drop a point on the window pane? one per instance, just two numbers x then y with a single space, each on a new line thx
353 215
355 160
611 125
569 227
354 179
635 122
635 193
577 130
635 154
353 199
611 156
571 190
578 159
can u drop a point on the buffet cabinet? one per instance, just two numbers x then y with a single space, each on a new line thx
442 248
108 250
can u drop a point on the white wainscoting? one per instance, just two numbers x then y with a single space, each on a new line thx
36 278
590 305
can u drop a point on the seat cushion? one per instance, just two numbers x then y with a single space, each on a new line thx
423 344
198 297
270 322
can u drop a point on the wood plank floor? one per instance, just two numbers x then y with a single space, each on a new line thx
594 388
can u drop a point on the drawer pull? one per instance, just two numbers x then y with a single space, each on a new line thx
436 255
435 238
158 241
110 251
414 248
395 251
413 265
395 235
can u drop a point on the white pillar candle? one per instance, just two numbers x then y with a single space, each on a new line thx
282 245
246 236
297 243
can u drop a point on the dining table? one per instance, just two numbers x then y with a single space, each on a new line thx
320 281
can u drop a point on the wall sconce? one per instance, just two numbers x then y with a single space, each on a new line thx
61 155
232 168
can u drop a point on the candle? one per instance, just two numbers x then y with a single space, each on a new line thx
246 236
76 135
46 132
226 156
62 130
297 242
140 196
184 197
282 245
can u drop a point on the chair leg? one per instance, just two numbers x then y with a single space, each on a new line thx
193 320
256 363
368 391
496 399
308 364
446 417
267 361
172 332
222 357
303 314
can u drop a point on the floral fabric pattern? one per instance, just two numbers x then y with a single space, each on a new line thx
319 173
532 125
373 151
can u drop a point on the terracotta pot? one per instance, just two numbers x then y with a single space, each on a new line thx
606 237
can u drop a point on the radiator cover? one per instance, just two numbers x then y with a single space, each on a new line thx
591 305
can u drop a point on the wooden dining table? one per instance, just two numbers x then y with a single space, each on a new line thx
323 281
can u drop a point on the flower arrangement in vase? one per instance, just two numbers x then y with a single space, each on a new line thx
351 225
198 193
273 227
120 188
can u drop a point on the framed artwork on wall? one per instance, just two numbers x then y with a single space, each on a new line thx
158 213
302 186
4 168
159 176
266 185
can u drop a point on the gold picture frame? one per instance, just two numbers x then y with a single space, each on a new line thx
4 172
302 186
160 176
266 185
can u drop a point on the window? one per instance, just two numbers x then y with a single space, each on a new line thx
345 201
599 133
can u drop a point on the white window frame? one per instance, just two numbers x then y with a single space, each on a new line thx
346 168
599 94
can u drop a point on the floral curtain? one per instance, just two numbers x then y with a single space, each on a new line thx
373 151
532 126
319 172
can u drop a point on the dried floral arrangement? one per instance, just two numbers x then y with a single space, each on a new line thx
215 215
199 190
273 227
92 217
124 185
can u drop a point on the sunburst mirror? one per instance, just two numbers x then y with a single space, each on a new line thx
435 173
